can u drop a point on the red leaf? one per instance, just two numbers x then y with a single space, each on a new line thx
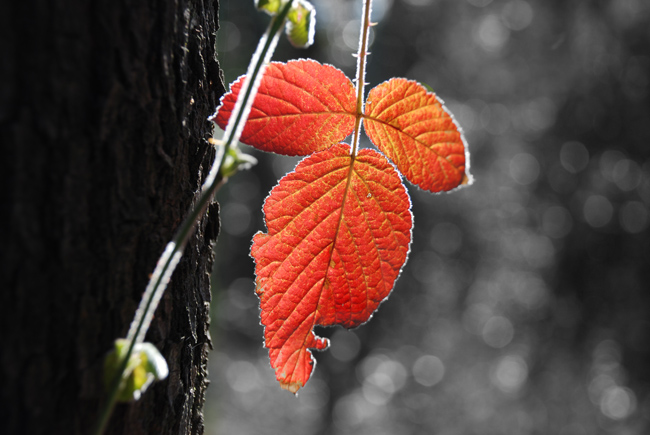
339 230
413 128
301 107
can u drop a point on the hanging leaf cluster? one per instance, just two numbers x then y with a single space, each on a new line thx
339 225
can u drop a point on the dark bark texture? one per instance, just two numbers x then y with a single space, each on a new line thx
103 108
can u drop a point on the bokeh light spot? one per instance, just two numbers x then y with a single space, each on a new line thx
517 14
531 291
491 34
475 317
617 402
241 293
378 388
524 168
381 7
351 35
498 332
540 114
428 370
597 211
574 157
242 376
381 377
235 218
228 37
626 174
608 162
464 114
510 373
353 410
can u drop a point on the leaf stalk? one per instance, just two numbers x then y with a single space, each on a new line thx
360 83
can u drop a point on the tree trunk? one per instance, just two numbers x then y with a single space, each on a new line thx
103 108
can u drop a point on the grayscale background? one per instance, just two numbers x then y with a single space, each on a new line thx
524 306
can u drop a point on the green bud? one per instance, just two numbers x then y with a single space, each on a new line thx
271 7
145 365
301 24
153 361
235 161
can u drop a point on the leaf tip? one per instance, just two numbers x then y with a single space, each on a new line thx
292 387
467 180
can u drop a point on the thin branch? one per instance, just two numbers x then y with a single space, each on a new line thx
361 71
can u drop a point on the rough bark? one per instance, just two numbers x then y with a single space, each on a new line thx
103 108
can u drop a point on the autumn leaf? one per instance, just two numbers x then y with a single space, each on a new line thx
413 128
339 229
301 107
339 226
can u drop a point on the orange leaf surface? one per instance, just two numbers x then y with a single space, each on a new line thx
301 107
413 128
339 230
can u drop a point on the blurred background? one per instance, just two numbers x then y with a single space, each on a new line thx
524 306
